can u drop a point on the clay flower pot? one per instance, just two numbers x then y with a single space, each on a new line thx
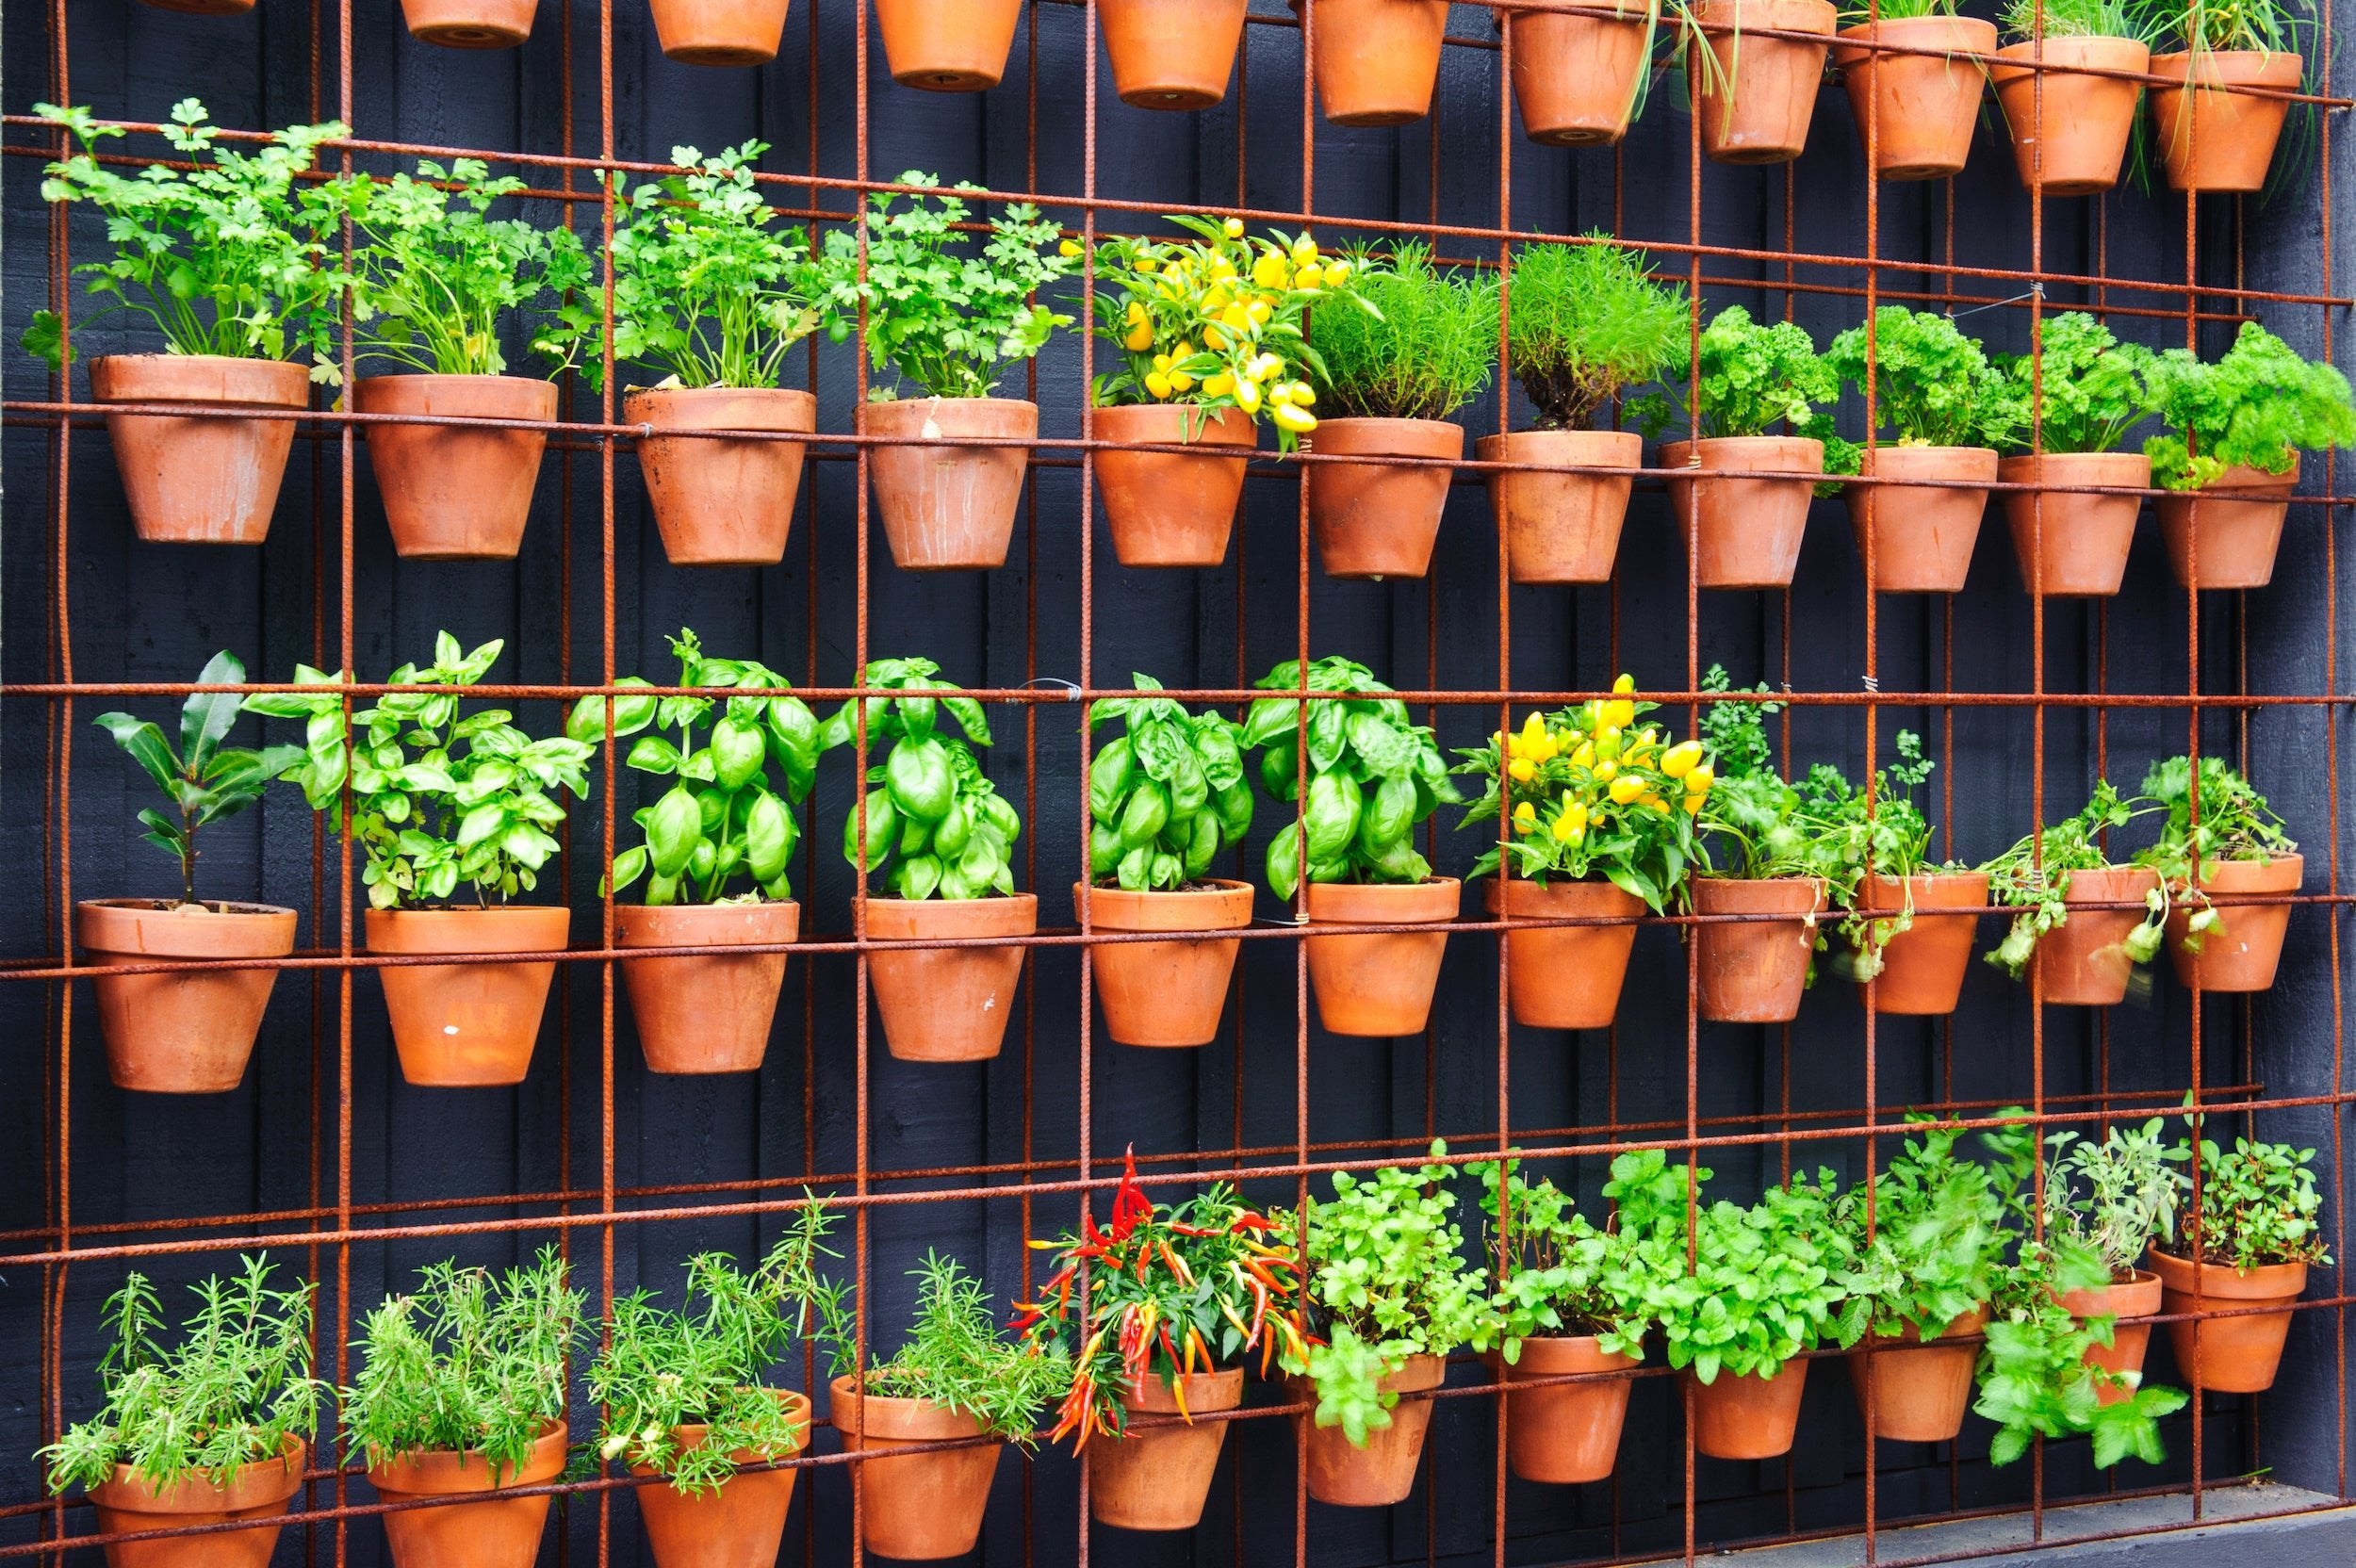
1922 529
456 491
2078 542
1928 102
1377 59
948 45
1757 99
1754 970
192 479
1922 967
741 1524
467 1025
1173 509
2078 142
2228 1355
1157 1475
1568 1434
1565 976
470 24
1576 72
1748 1417
2226 540
2131 1301
916 1507
1378 984
496 1532
1750 529
719 32
191 1031
1920 1390
259 1491
708 1013
948 507
721 502
1381 519
1561 527
2081 963
1172 53
2241 951
947 1003
2213 138
1167 993
1382 1472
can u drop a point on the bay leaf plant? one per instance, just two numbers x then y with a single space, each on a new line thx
2081 391
1559 1273
937 827
1750 377
2257 407
1165 795
959 1358
1932 386
1420 351
2231 821
2033 876
1585 320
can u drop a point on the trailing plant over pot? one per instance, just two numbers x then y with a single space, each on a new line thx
1755 94
1915 112
2069 127
1914 954
2237 851
1580 74
2085 958
2248 1236
2214 134
2076 398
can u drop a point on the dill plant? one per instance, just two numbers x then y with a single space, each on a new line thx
957 1357
1421 348
1584 320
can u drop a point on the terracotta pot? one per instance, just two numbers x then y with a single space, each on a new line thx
1929 103
1750 529
2241 951
1773 80
1156 1475
1755 971
2221 542
1173 509
1167 993
1923 966
1923 532
189 479
1381 519
1379 986
470 24
205 7
1377 59
2082 550
2131 1301
947 507
947 1003
948 45
710 1013
1748 1417
2224 140
467 1025
1561 527
1577 72
917 1507
1569 1433
455 492
741 1525
1565 976
2078 142
1382 1472
258 1491
720 502
1172 53
189 1031
719 32
1920 1390
2228 1355
496 1532
2081 963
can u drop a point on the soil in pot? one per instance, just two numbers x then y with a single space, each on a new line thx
1381 519
1377 59
128 1503
456 491
2226 540
721 502
1923 522
719 32
2235 1355
1561 527
192 479
1173 509
467 1025
496 1532
1927 102
948 507
1165 993
741 1525
947 1003
1757 94
1156 1475
191 1031
948 45
2131 1301
1754 970
2083 962
1568 1434
1172 53
1749 529
1920 1390
1748 1417
2078 542
1577 72
2242 950
1565 976
2211 137
1923 966
917 1507
1382 1472
470 24
710 1012
2080 143
1379 984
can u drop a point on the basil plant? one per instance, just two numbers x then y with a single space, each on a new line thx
1166 796
937 827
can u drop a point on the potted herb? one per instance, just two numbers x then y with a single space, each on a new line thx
1910 921
2084 922
1164 798
942 837
2069 127
948 45
2087 390
1172 53
1390 376
2214 135
1377 61
470 24
214 1428
1742 532
1754 93
1601 828
441 804
2225 879
1918 110
1585 321
460 1393
2249 1232
947 325
1579 72
716 856
2237 427
739 32
229 262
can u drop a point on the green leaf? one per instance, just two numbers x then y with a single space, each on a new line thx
146 745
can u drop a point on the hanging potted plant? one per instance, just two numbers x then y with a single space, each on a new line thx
948 45
1754 93
2249 1235
2084 922
2227 879
213 1430
229 262
943 837
439 803
733 32
1585 321
2214 133
1164 798
1377 61
1580 72
2068 91
2229 459
1742 532
460 1393
716 856
2088 390
1910 922
1172 53
470 24
1917 109
1373 778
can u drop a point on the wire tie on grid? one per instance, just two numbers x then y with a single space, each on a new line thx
2036 291
1071 688
1874 685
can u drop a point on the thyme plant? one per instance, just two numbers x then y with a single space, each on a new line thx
957 1357
1585 320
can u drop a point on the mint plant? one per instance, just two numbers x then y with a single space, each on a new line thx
1165 797
1421 348
937 827
1936 1249
1751 378
1763 1281
2258 408
2089 390
1586 320
957 1358
2033 876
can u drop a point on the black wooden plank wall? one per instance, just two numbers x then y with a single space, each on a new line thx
139 612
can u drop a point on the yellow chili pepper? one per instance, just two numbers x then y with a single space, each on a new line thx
1297 421
1680 760
1625 790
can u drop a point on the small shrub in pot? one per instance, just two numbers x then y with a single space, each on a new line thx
2076 397
2063 882
2226 863
2246 1234
1912 954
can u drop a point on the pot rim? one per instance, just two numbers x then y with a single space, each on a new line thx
551 1436
126 1492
